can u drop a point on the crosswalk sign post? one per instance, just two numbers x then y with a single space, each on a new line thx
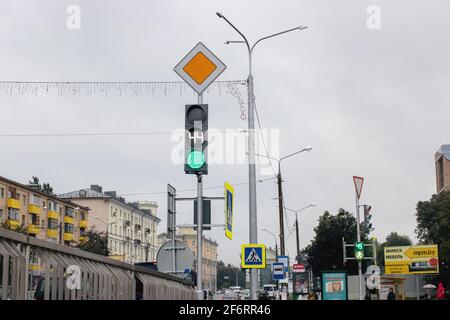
229 207
253 256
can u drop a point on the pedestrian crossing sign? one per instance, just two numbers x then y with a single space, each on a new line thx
253 256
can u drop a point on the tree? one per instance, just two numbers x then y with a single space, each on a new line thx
433 227
325 251
392 240
226 276
45 187
96 242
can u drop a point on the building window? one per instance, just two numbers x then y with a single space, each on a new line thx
53 206
13 214
68 228
70 212
36 200
52 223
2 193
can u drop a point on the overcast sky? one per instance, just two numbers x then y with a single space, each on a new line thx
371 102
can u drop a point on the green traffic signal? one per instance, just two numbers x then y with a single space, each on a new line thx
195 159
359 250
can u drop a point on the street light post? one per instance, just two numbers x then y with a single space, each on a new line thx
253 232
275 239
280 194
296 228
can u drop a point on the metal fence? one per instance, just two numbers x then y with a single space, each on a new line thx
71 274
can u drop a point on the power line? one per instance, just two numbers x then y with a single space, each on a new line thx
262 137
75 134
179 191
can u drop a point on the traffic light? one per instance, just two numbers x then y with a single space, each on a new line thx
359 251
367 217
196 139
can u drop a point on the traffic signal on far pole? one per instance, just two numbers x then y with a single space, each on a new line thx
367 217
359 251
196 139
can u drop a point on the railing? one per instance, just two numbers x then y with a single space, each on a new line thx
72 274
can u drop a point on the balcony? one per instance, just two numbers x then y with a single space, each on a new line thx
83 224
68 219
68 236
33 229
34 209
53 214
13 203
13 224
52 233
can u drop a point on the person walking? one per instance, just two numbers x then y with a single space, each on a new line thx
440 295
391 294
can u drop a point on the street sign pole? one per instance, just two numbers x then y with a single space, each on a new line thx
358 237
253 225
358 181
199 228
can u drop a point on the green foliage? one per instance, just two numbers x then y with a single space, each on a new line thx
96 242
325 251
433 227
226 276
45 187
392 240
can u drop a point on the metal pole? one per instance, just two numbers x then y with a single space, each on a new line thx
298 240
199 228
358 238
280 213
417 287
253 225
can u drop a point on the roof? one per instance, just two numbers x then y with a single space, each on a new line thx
445 150
90 194
36 191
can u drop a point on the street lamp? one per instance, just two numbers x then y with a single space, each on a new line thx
296 228
280 192
253 226
275 239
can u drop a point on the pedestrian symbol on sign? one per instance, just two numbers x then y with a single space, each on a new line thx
253 257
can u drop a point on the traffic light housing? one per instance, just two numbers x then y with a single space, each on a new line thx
359 251
367 217
196 139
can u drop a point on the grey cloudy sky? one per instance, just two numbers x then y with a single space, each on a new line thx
372 103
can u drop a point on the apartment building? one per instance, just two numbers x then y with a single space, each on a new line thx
27 209
442 160
209 255
131 228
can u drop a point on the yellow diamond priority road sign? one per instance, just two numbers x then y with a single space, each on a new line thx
199 68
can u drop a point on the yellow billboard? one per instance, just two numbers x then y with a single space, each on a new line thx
411 259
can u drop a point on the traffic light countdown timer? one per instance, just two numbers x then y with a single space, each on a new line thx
196 139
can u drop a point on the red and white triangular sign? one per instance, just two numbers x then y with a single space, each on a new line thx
358 185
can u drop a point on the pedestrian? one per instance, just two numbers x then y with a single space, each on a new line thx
440 295
312 296
391 294
368 296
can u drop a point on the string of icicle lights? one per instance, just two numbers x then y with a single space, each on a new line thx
135 88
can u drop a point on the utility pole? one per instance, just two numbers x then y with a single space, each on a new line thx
253 226
297 238
199 228
280 213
